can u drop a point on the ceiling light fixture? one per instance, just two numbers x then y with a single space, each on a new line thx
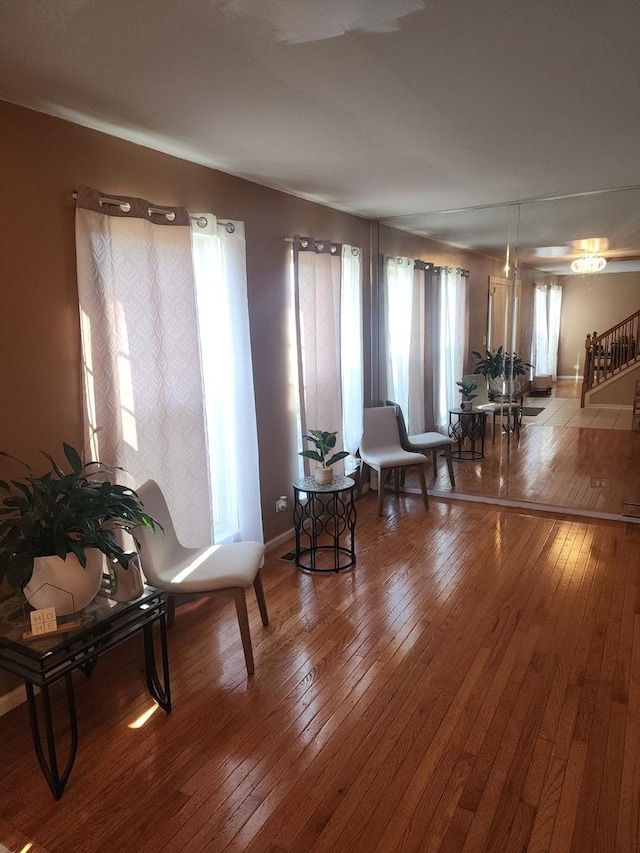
588 264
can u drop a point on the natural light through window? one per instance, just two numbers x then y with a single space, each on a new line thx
140 721
89 384
215 343
198 561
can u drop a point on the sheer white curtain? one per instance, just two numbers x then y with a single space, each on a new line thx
328 294
398 311
449 346
546 328
141 355
351 352
219 254
555 311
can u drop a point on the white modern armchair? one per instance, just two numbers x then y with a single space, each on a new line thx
227 569
381 450
425 442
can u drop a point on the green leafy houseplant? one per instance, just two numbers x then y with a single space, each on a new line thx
500 363
466 388
62 513
324 442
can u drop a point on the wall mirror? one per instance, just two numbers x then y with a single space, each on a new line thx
513 265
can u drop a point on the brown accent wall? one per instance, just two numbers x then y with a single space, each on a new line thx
43 160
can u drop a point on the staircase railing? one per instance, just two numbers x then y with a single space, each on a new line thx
610 353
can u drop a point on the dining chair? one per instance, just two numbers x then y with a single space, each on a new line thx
188 572
381 450
425 442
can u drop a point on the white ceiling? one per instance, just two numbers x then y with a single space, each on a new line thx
378 107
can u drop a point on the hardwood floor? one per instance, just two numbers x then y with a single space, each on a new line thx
584 459
473 685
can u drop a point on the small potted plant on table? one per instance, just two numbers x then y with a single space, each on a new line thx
324 442
467 388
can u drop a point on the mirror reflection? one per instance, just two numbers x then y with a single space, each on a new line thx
538 305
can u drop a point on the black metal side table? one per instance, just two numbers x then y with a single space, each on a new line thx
469 424
324 519
42 662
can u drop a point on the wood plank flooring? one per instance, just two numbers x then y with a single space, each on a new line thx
473 685
593 467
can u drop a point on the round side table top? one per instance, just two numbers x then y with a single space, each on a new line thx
475 411
338 484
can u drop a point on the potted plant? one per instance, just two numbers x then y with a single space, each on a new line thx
466 388
64 523
499 367
324 442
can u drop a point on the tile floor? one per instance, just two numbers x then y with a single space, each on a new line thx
562 411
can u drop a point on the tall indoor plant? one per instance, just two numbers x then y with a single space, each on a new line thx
65 522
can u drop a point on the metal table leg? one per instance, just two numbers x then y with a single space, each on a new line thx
160 691
49 762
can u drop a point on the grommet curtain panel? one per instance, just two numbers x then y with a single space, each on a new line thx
219 254
450 292
328 300
148 300
405 314
423 342
546 329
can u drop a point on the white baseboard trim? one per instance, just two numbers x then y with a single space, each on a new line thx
531 506
279 540
571 376
12 699
588 405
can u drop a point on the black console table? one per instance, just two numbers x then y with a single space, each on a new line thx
42 662
324 518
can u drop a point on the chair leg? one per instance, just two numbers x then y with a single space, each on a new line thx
171 610
243 622
447 453
434 461
396 480
262 604
423 486
380 490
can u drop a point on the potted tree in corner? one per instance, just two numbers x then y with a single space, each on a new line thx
324 443
57 529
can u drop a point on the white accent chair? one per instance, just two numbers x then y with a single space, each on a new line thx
425 442
226 569
381 450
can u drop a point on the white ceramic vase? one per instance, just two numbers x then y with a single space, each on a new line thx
323 476
65 584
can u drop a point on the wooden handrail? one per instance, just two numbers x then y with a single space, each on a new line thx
610 353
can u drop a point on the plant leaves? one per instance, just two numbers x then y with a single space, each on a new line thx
73 457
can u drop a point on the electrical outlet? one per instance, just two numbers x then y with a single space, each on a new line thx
282 504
